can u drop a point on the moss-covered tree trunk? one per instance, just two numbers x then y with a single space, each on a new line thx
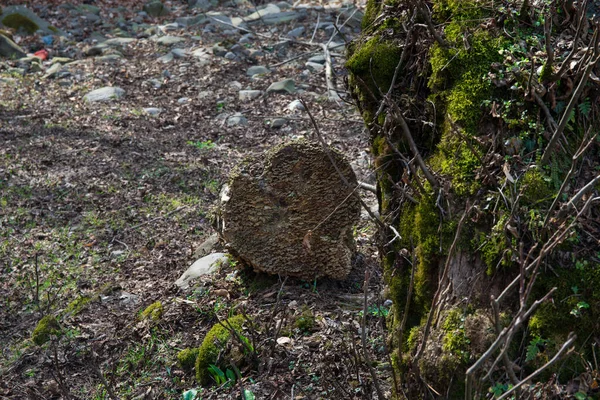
477 113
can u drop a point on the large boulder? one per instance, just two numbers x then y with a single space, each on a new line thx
288 212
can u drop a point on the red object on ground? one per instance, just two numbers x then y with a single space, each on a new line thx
42 54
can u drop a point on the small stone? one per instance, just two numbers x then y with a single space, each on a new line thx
172 27
256 70
237 120
52 71
207 246
236 85
204 266
119 42
183 100
297 32
284 86
219 51
278 123
319 59
315 67
180 53
156 83
97 50
107 93
153 111
109 58
247 38
296 105
167 58
168 40
230 56
247 95
204 94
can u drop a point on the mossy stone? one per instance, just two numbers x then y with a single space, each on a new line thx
47 327
213 342
20 23
186 358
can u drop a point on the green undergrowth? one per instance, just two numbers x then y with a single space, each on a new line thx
214 342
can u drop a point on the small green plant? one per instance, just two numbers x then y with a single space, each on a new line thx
376 311
227 378
189 394
534 348
579 307
206 145
498 389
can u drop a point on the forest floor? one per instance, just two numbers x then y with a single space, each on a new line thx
103 205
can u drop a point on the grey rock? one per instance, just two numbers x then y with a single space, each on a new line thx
284 86
238 49
204 94
153 111
219 50
52 71
315 67
203 5
247 38
219 19
10 49
296 105
297 32
247 95
202 56
61 60
230 56
207 246
205 266
156 83
183 100
104 94
155 8
257 69
96 50
237 120
320 59
180 53
119 42
278 123
191 21
172 27
283 5
109 58
235 85
167 40
267 10
88 9
255 54
282 17
167 58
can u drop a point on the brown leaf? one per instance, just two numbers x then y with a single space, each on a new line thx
306 242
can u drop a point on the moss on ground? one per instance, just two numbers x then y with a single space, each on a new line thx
186 358
153 312
47 327
214 341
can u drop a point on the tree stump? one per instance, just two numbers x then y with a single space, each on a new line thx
289 212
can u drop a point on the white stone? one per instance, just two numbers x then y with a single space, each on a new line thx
204 266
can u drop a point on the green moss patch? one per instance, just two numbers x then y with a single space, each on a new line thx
186 358
20 23
215 340
375 62
153 312
47 327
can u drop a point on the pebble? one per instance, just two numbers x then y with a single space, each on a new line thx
107 93
297 32
153 111
183 100
296 105
256 70
284 86
180 53
278 123
237 120
247 95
